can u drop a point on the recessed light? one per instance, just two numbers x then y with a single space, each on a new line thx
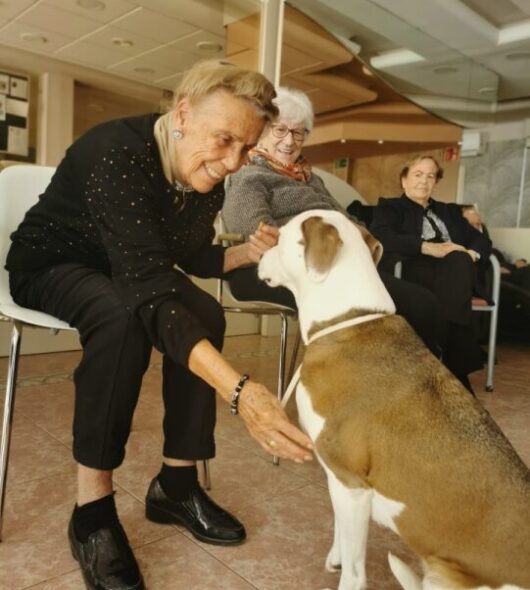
445 70
518 56
367 71
343 140
33 38
380 141
147 71
91 4
209 46
121 42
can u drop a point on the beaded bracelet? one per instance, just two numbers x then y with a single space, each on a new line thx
234 403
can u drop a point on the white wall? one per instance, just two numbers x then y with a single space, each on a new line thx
513 241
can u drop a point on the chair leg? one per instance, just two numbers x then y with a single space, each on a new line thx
9 404
281 367
294 356
492 343
206 479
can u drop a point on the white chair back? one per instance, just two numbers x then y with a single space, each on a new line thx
20 187
343 192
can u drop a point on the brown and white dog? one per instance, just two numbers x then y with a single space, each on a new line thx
400 439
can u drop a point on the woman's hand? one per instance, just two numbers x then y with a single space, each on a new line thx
440 250
264 238
269 425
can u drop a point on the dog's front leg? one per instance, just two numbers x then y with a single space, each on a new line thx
352 507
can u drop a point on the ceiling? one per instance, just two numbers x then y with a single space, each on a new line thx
468 60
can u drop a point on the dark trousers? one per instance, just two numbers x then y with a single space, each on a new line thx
416 304
451 280
116 354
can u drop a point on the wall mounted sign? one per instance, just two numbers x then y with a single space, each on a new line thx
14 110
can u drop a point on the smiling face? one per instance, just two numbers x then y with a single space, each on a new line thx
419 182
218 132
285 149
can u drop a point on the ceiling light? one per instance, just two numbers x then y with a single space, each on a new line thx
147 71
367 71
33 38
343 140
92 4
95 106
209 46
445 70
121 42
518 56
380 141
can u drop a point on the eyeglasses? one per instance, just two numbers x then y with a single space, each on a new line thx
281 131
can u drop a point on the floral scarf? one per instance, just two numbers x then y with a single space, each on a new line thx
299 170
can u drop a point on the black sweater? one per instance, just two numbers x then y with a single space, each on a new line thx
109 206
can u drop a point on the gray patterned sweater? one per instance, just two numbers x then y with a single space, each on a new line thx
257 193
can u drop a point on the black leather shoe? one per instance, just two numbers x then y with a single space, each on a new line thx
107 562
205 520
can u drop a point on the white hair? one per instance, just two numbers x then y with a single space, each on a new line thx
294 106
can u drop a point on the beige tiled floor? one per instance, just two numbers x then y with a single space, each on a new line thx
286 509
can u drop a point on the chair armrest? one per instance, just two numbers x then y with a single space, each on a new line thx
229 239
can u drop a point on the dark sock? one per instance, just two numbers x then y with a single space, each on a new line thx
178 482
93 516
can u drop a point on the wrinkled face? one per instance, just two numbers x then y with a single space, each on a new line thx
286 149
420 180
218 132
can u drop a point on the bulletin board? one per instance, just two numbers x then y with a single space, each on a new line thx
14 111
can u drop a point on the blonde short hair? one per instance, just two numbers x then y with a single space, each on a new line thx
208 76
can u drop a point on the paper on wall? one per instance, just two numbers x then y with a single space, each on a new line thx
4 84
18 88
17 140
2 107
19 108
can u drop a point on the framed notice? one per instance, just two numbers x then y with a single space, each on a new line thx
14 110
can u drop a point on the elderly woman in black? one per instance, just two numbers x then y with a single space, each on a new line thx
108 248
278 184
439 250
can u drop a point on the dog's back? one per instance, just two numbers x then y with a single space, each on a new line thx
396 419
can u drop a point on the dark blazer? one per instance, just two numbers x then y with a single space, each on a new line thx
397 223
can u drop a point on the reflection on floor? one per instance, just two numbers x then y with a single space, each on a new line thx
286 509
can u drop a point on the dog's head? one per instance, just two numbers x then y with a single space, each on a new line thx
311 245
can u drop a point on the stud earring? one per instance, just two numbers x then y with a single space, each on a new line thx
177 134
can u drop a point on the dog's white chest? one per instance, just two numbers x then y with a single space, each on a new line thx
310 421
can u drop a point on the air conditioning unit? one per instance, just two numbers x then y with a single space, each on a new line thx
472 143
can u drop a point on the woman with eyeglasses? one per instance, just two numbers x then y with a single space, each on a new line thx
278 184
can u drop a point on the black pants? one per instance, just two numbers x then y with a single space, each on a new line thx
116 354
416 304
451 280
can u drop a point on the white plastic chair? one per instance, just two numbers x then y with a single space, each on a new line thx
482 305
20 187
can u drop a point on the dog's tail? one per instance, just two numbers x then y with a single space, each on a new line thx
404 574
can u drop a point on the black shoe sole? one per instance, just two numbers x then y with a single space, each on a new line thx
160 516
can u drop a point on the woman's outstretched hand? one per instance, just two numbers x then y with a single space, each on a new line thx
269 425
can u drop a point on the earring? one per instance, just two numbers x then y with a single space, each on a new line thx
177 134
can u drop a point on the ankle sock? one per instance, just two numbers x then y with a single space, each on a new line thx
178 482
93 516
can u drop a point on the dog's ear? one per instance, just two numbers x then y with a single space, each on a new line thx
375 246
322 243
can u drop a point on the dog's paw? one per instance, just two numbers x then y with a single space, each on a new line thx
333 563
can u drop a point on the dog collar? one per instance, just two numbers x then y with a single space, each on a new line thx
324 332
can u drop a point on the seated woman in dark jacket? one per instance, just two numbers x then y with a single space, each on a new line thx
439 250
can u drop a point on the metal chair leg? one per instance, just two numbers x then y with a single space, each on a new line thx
206 479
9 404
492 347
281 367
